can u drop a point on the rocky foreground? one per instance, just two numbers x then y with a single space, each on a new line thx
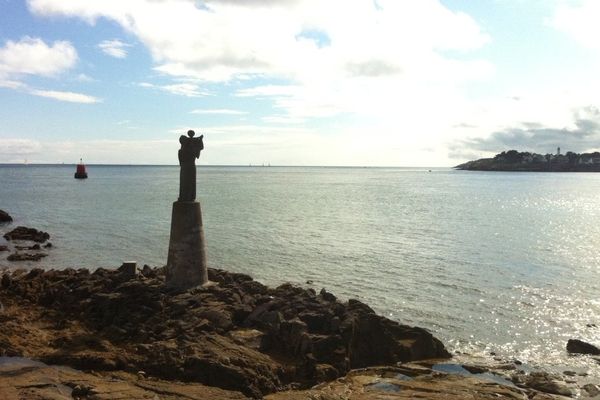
123 334
236 334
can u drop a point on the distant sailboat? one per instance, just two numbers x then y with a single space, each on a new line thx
80 172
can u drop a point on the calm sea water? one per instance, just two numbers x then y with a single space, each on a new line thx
502 262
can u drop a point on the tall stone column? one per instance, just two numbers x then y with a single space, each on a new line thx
186 262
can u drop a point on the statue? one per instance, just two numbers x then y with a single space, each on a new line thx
186 261
190 150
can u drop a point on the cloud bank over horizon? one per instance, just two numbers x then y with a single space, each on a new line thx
582 135
336 83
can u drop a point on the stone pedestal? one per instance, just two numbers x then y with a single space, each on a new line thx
186 263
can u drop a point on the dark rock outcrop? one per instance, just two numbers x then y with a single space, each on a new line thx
24 233
236 334
26 256
581 347
5 217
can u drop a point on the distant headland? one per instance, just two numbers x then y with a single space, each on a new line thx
514 160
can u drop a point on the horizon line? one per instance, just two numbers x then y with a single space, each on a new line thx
218 165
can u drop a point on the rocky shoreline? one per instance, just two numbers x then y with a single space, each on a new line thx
236 334
126 334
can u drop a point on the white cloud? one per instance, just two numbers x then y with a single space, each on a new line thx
11 84
18 147
114 48
218 111
84 78
282 119
579 21
268 90
65 96
34 57
182 89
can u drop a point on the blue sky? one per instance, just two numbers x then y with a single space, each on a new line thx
297 82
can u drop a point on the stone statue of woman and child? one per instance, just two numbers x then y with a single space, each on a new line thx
186 262
190 150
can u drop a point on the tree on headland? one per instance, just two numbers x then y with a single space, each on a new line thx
511 156
573 157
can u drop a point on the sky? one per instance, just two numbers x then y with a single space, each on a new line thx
297 82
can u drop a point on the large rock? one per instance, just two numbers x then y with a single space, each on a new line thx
581 347
24 233
376 340
5 217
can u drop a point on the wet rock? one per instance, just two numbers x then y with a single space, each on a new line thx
5 217
3 248
581 347
26 256
325 295
406 382
544 382
475 369
34 247
591 389
270 320
316 321
48 245
19 380
218 318
373 340
147 271
24 233
6 280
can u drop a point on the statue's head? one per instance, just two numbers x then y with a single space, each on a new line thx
191 133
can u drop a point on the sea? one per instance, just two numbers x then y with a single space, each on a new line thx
495 264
